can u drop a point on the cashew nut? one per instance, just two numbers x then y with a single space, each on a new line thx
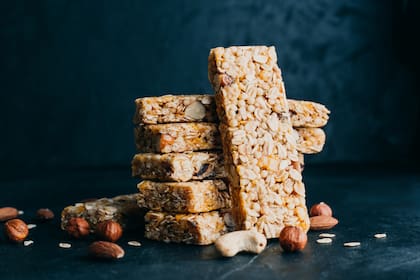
244 240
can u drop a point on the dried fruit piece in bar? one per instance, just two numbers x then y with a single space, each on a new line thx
199 229
184 197
259 145
179 167
121 209
176 137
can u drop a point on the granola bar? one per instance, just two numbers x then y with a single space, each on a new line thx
176 137
184 197
259 145
202 108
175 108
199 229
180 167
121 209
307 113
310 140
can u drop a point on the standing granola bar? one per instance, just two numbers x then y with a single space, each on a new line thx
259 145
180 167
199 229
177 137
184 197
202 108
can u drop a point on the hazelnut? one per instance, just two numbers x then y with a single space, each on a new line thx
109 231
16 230
78 227
293 239
44 214
320 209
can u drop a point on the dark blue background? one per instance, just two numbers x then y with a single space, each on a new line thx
70 71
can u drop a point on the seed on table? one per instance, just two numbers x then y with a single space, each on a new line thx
380 235
64 245
351 244
20 212
324 240
134 243
28 243
328 235
31 226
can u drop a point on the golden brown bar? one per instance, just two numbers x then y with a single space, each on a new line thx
184 197
199 229
259 145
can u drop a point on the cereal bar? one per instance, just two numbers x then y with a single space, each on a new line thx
176 137
199 229
202 108
175 108
310 140
121 209
180 167
307 113
184 197
259 145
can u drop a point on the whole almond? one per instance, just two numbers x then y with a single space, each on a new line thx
7 213
322 222
105 250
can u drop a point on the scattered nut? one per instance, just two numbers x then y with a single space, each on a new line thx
105 250
244 240
44 214
324 240
27 243
31 226
322 222
326 235
109 231
380 235
293 239
7 213
21 212
134 243
320 209
78 227
351 244
195 111
16 230
64 245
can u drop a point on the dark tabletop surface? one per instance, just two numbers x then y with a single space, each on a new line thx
365 200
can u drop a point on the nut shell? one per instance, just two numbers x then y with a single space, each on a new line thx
109 231
320 209
16 230
78 227
293 239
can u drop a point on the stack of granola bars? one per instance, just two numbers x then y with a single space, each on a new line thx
182 165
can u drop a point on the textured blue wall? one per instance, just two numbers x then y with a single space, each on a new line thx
70 71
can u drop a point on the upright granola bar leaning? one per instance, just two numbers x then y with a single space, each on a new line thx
258 142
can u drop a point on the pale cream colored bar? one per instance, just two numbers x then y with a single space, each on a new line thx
259 145
184 197
121 209
176 137
202 108
180 167
198 229
310 140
